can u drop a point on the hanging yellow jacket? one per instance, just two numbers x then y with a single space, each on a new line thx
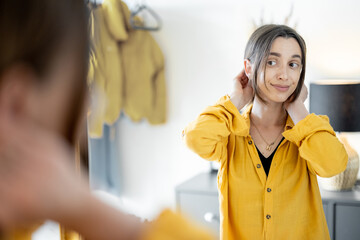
143 65
286 204
105 74
129 70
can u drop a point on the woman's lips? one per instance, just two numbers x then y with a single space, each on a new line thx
281 88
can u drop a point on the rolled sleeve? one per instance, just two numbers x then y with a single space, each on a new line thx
318 145
208 134
308 126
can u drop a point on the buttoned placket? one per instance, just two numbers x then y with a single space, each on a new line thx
267 183
256 160
268 208
269 194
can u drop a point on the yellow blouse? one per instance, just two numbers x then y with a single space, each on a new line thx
286 204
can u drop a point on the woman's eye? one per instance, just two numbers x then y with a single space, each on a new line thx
271 63
294 65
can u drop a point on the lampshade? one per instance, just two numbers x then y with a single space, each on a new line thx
339 100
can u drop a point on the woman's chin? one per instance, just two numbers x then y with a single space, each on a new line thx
277 98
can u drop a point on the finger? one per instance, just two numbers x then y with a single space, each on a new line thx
290 99
244 80
241 74
237 83
306 89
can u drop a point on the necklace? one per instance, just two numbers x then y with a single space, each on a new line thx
269 145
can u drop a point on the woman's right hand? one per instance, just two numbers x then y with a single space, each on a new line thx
242 91
37 175
38 181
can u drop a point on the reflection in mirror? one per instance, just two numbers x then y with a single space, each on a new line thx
266 149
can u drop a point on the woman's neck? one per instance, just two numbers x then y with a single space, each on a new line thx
268 115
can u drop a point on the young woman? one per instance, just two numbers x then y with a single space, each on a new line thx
43 68
270 154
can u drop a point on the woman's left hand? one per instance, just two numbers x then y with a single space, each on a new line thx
296 109
300 99
303 94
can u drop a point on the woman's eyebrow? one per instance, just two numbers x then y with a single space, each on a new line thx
275 54
279 55
296 56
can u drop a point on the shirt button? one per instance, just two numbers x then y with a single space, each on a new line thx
269 189
258 166
250 142
268 216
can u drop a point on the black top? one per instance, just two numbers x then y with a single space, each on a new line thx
266 162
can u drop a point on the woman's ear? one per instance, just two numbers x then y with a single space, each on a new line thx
248 68
15 85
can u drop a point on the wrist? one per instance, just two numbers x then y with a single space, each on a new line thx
237 100
76 209
297 111
96 220
291 107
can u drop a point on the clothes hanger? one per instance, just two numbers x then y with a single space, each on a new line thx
93 3
141 8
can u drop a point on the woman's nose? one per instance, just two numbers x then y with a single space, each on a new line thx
283 74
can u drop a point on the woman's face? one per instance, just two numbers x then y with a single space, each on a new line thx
282 70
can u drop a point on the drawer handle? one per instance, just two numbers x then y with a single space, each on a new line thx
210 217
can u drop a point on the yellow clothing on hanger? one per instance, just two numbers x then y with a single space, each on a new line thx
107 78
127 71
143 66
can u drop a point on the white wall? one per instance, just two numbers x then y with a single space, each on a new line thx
203 43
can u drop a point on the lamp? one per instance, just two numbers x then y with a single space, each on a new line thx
340 101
